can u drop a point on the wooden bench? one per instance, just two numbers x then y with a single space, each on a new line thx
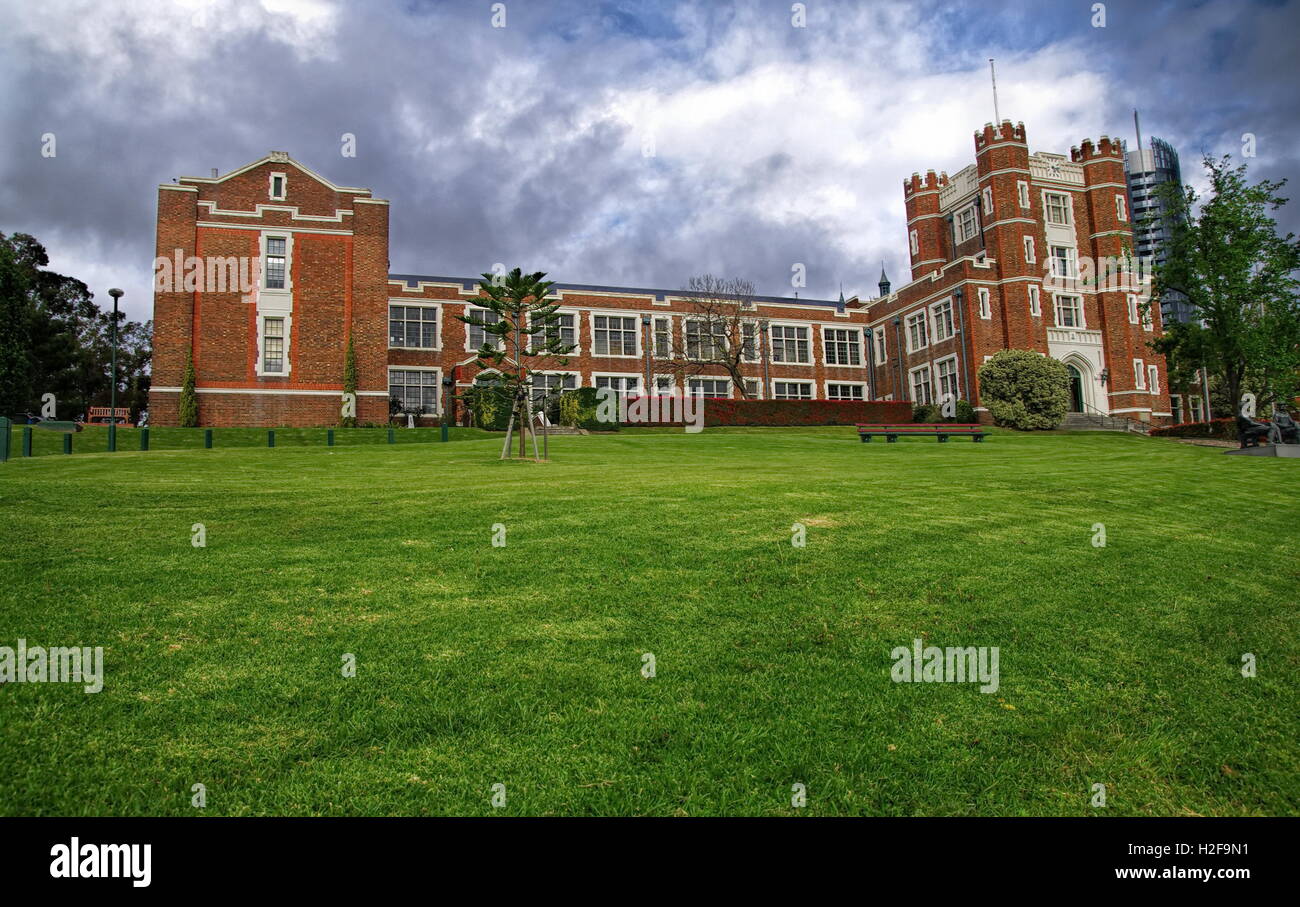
941 430
106 414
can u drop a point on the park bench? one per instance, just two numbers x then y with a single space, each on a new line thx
106 414
941 430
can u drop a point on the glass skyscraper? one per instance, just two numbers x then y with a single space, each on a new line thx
1145 171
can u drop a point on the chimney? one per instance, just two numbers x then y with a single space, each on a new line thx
214 172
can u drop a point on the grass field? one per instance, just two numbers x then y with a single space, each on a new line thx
522 665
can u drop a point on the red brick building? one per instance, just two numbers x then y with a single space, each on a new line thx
263 274
1018 250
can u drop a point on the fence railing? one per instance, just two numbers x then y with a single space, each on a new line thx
34 440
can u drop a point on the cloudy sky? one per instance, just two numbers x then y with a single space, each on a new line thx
627 142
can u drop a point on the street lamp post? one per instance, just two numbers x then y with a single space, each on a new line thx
112 392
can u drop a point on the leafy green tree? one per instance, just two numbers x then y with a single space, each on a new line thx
1239 276
521 335
188 414
15 334
1025 390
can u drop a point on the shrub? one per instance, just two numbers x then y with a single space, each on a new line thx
1025 390
1223 429
587 417
926 412
965 412
188 416
350 380
567 409
489 405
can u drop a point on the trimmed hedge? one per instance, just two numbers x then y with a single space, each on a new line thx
802 412
1222 429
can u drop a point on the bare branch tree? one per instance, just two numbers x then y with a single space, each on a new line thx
719 332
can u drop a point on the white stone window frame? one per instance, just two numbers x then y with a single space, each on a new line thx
437 323
1056 311
1153 379
956 377
437 384
723 378
960 223
988 203
1121 208
807 338
861 385
625 376
1031 255
922 318
637 331
287 318
1139 374
802 382
1132 308
880 351
827 346
914 242
1067 206
1022 194
985 300
473 311
1035 301
284 185
934 320
712 334
576 315
287 236
928 383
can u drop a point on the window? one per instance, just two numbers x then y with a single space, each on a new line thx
273 346
915 244
1153 379
842 346
622 384
986 310
708 387
275 260
1035 304
881 352
416 388
1030 257
790 344
1132 308
845 392
947 375
413 326
967 224
564 329
1057 208
1194 404
1121 209
663 338
1063 262
475 335
706 339
1069 312
921 392
550 385
1176 408
1147 317
1022 190
943 323
614 336
278 184
792 390
749 341
663 385
752 388
988 202
917 338
1139 375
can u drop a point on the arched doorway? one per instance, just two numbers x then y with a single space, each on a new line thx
1076 389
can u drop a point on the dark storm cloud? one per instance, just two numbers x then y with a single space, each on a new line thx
524 144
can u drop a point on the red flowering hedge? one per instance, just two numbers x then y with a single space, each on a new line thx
803 412
1223 429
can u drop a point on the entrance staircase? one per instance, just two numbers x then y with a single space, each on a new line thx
1098 422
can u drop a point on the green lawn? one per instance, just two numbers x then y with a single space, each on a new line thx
521 665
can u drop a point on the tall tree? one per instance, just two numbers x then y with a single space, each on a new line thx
522 334
15 333
721 332
1239 276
